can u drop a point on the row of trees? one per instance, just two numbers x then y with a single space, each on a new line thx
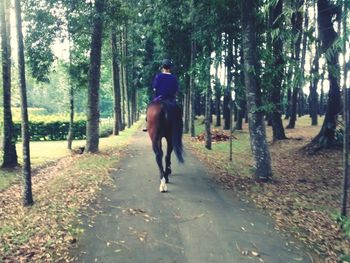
270 51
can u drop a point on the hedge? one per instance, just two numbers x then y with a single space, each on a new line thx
52 131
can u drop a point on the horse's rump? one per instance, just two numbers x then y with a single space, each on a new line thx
165 120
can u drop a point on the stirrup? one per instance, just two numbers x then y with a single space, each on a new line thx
144 129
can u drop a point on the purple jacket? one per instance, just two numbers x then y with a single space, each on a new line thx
166 86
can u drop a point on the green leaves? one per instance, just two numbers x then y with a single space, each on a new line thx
41 31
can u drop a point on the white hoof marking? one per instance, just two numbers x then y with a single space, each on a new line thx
163 188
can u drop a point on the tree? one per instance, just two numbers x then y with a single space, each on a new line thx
346 118
27 196
327 35
208 112
297 26
9 143
276 23
192 88
116 84
93 114
256 118
313 98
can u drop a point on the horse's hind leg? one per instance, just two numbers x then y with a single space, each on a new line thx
157 148
168 160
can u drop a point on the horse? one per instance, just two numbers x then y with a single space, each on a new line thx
164 120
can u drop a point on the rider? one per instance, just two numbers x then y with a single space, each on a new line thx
165 84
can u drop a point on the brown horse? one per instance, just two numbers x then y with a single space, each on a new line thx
164 121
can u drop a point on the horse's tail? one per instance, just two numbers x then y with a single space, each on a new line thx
177 136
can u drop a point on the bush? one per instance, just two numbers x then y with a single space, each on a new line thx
106 131
52 131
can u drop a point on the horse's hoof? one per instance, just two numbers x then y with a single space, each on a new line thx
163 188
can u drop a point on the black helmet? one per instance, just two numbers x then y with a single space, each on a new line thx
166 63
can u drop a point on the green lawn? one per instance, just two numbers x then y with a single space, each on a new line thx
44 152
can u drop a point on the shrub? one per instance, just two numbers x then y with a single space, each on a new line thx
105 131
52 131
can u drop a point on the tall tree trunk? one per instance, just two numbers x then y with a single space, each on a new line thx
70 135
326 136
126 73
241 93
257 131
187 100
9 141
313 99
346 119
122 80
277 48
193 88
93 115
240 90
217 96
208 112
27 196
116 85
322 103
297 27
227 95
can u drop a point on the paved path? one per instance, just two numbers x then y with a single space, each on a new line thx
195 222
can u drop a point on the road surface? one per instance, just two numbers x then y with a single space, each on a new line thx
196 221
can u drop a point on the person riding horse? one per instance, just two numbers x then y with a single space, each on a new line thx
165 85
164 120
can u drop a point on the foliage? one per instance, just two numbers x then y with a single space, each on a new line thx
42 26
51 130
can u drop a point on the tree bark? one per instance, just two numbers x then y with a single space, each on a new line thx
227 95
313 99
256 118
187 104
208 112
70 135
297 27
278 63
27 195
346 119
126 73
193 88
9 141
217 97
116 85
326 11
241 101
93 115
121 81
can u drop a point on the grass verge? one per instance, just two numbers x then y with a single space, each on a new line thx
45 231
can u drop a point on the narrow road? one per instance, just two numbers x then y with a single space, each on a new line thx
195 222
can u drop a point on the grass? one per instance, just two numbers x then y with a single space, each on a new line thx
45 152
71 184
